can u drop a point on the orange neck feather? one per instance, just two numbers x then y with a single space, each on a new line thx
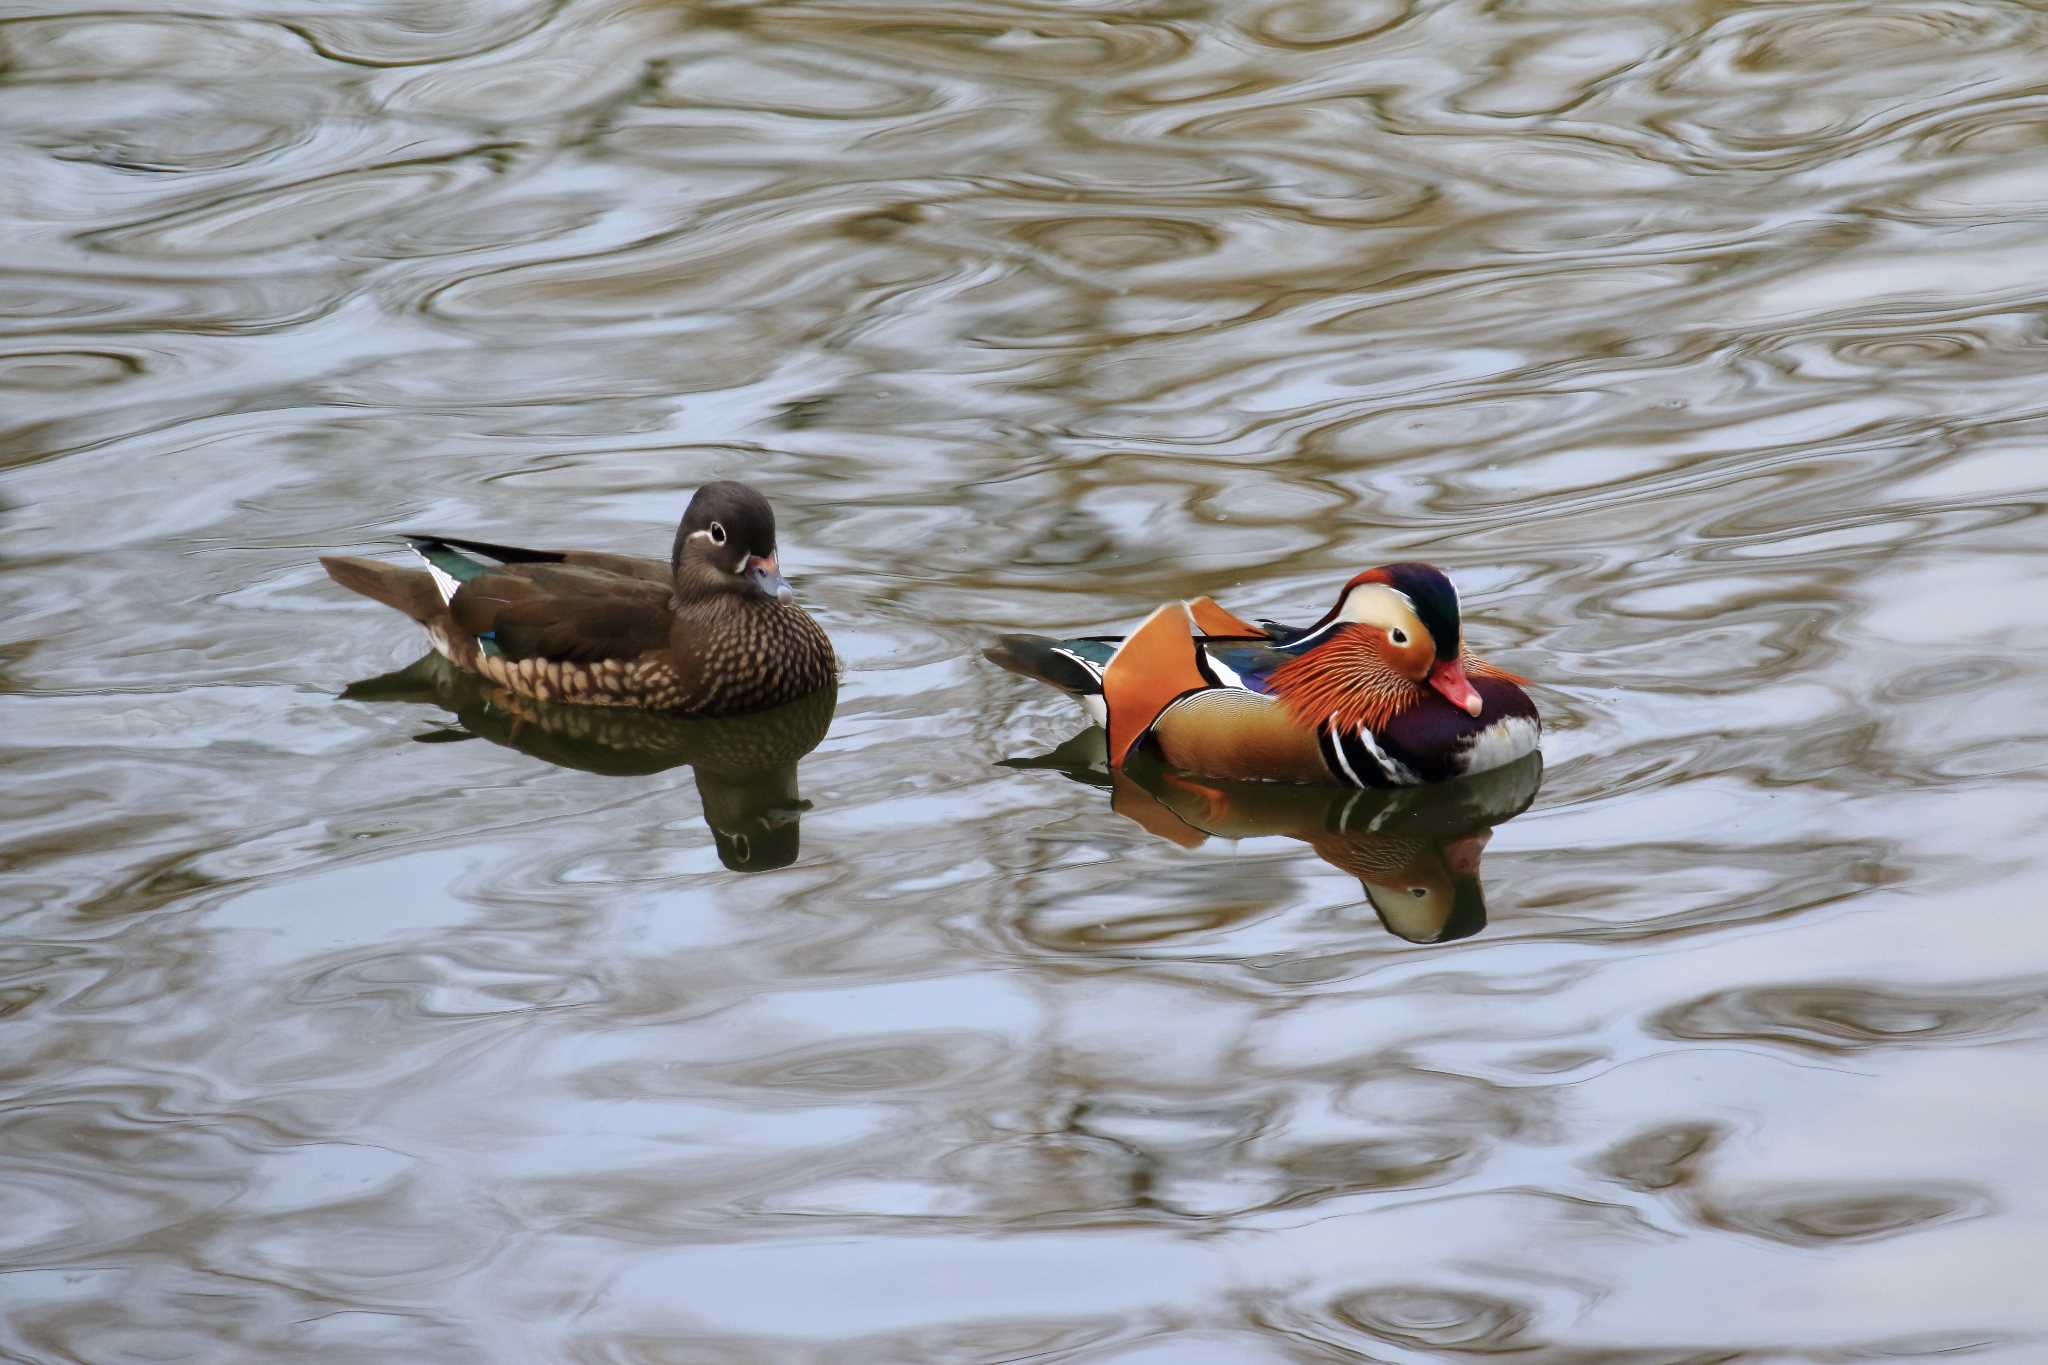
1344 678
1479 668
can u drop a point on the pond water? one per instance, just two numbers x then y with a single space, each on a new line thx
1703 342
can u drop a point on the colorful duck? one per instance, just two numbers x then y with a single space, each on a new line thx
1415 851
714 631
1381 692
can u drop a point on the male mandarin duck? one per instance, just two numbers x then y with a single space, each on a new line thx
1415 851
1380 692
715 631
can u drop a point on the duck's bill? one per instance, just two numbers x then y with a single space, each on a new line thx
1461 855
766 575
1449 679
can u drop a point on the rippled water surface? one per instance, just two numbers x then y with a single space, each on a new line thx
1704 342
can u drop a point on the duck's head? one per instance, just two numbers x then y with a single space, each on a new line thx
1434 900
1409 613
727 544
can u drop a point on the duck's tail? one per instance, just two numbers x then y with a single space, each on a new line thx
1123 684
1072 666
1056 663
411 591
1076 666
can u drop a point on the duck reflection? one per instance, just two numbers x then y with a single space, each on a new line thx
745 765
1415 850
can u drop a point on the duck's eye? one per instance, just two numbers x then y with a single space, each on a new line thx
717 533
1418 891
1398 636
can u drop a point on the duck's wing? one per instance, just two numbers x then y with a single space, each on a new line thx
1244 663
1123 682
1204 698
625 566
1157 665
544 604
1075 665
1283 635
1213 620
1182 654
537 614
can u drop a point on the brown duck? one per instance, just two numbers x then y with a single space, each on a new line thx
745 766
715 631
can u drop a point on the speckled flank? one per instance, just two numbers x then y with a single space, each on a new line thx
750 657
649 681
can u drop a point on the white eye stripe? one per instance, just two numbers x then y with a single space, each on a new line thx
1368 601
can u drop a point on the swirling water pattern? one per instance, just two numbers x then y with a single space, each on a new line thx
1703 341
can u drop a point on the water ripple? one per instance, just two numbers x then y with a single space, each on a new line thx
1701 343
1850 1017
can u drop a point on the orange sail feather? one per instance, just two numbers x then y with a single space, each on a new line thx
1155 667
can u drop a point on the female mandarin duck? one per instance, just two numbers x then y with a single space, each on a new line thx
1379 693
715 631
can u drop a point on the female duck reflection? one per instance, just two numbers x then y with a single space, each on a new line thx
1414 850
745 765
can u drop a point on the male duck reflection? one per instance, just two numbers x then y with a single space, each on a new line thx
1415 851
745 765
714 631
1381 692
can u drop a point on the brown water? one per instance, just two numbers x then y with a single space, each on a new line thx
1704 342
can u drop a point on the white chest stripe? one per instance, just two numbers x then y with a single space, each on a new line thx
1337 751
1399 773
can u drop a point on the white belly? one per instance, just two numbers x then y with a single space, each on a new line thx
1501 743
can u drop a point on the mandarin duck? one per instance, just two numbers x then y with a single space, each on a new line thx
1414 851
1380 692
745 766
715 631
